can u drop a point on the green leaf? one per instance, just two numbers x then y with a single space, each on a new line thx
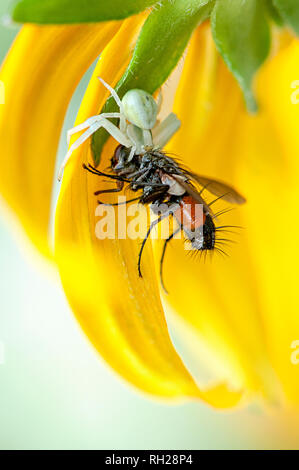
289 10
159 47
75 11
242 36
273 12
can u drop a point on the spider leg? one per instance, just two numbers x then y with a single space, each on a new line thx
101 122
118 101
147 138
89 122
164 131
132 152
76 144
163 255
159 100
135 135
113 93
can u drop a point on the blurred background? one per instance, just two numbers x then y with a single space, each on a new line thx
56 393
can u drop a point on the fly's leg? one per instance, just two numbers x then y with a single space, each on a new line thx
153 224
157 194
119 187
163 255
94 171
120 203
142 176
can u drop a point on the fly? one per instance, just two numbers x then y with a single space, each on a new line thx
169 190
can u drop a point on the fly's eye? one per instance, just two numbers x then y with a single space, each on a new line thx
116 156
119 158
140 108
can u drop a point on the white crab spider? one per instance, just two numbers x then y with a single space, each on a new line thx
138 128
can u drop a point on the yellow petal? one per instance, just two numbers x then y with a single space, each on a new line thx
40 75
245 307
201 103
120 313
269 172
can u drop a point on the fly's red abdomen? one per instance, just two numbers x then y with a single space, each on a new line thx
190 214
197 225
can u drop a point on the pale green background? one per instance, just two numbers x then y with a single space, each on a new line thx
56 393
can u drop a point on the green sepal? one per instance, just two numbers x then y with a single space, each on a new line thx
159 47
242 36
289 10
75 11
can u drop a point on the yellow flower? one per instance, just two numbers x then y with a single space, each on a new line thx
241 311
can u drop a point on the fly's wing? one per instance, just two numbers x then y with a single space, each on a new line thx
192 192
227 193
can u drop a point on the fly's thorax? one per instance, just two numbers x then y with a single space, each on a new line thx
146 160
